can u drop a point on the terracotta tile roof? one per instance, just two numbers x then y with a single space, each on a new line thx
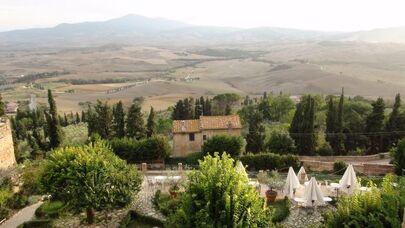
220 122
186 126
206 123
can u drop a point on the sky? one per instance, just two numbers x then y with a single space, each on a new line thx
326 15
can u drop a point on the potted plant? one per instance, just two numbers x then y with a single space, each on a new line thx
174 189
273 181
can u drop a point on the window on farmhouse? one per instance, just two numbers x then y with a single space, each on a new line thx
204 137
191 136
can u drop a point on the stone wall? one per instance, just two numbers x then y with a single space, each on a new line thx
7 157
366 158
366 168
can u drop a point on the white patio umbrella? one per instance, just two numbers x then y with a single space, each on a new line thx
240 168
291 184
313 195
348 183
302 175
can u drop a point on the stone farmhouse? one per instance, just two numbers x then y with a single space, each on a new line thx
189 135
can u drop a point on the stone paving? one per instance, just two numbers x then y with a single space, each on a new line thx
143 204
301 217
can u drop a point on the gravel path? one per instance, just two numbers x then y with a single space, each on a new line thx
143 203
24 215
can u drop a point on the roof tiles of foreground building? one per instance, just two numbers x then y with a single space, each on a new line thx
207 123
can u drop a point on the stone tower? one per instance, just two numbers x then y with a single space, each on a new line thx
7 156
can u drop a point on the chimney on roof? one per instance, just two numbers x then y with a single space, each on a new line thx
183 125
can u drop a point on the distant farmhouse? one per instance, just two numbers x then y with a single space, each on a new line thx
189 135
11 108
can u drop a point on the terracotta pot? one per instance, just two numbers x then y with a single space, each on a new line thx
173 194
271 196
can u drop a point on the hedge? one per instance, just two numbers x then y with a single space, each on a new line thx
232 145
269 161
134 151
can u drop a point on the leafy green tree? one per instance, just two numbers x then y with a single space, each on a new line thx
55 132
232 145
340 138
119 120
220 102
375 126
255 136
90 177
393 125
218 195
151 123
135 122
280 142
2 106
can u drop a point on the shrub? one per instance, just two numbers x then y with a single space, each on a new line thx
218 195
37 223
165 203
280 142
269 161
282 210
339 167
399 157
375 208
133 151
31 177
4 212
90 177
6 183
50 209
17 201
223 143
325 149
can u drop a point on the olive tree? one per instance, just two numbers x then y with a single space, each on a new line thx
90 177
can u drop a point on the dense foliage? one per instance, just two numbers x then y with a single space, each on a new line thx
90 177
218 195
269 161
376 208
399 157
223 143
135 151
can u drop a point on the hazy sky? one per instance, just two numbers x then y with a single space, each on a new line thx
332 15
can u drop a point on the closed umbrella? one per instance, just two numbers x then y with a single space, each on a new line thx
313 195
302 175
291 184
348 183
241 169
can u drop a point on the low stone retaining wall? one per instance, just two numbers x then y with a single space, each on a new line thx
365 158
367 169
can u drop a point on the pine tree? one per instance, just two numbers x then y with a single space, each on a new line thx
119 120
393 124
2 107
374 126
255 136
104 120
135 122
151 124
55 132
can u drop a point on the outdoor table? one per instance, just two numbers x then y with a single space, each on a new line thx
363 189
327 199
336 187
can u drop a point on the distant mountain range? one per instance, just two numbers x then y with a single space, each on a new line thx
138 29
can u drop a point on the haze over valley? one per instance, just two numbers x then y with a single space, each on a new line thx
164 60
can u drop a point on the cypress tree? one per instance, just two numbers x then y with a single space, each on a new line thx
255 136
2 106
228 110
55 132
331 123
188 108
309 140
207 107
36 131
65 121
135 122
77 118
295 127
151 124
91 119
178 111
104 120
119 120
340 139
393 124
374 126
197 109
83 116
202 105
